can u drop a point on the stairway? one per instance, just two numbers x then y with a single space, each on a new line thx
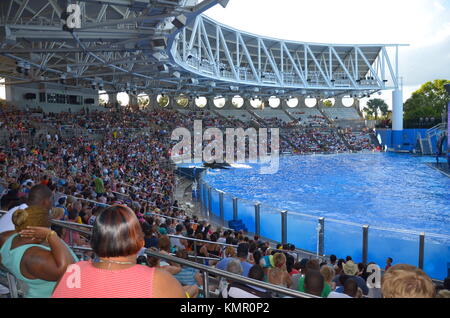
427 148
424 146
257 118
344 140
289 115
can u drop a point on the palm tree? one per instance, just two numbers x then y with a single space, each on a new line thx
376 106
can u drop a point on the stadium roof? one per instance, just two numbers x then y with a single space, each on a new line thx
143 46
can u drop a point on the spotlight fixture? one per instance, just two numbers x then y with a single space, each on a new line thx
62 79
26 69
20 67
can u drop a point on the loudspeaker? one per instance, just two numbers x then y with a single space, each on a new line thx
160 43
180 21
30 96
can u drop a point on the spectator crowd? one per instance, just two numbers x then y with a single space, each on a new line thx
117 180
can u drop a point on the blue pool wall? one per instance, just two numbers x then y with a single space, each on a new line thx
341 238
404 140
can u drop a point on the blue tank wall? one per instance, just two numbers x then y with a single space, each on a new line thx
406 139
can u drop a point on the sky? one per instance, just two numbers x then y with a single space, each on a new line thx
423 24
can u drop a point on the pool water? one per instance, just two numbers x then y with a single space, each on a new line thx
397 195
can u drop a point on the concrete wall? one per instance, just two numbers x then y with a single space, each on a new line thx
15 94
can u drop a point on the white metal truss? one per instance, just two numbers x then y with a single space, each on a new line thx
115 43
228 56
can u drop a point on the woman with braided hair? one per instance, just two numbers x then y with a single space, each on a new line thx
34 253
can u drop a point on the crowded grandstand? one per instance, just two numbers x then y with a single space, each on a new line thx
82 166
92 202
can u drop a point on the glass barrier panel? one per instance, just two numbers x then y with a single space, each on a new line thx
402 247
343 240
246 213
200 193
270 223
227 207
437 257
302 231
215 202
205 196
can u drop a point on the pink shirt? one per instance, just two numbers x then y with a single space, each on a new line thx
83 280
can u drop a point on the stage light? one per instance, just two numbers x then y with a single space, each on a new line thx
20 66
62 79
26 69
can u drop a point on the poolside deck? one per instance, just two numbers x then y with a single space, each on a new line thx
441 167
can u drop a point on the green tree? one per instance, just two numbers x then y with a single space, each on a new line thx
327 103
430 100
375 107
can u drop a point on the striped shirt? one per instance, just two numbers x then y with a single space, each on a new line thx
186 276
83 280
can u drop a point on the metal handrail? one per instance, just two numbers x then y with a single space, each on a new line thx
221 273
252 202
201 241
151 213
230 276
205 269
72 226
88 249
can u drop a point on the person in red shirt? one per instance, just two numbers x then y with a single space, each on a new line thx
45 180
388 263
